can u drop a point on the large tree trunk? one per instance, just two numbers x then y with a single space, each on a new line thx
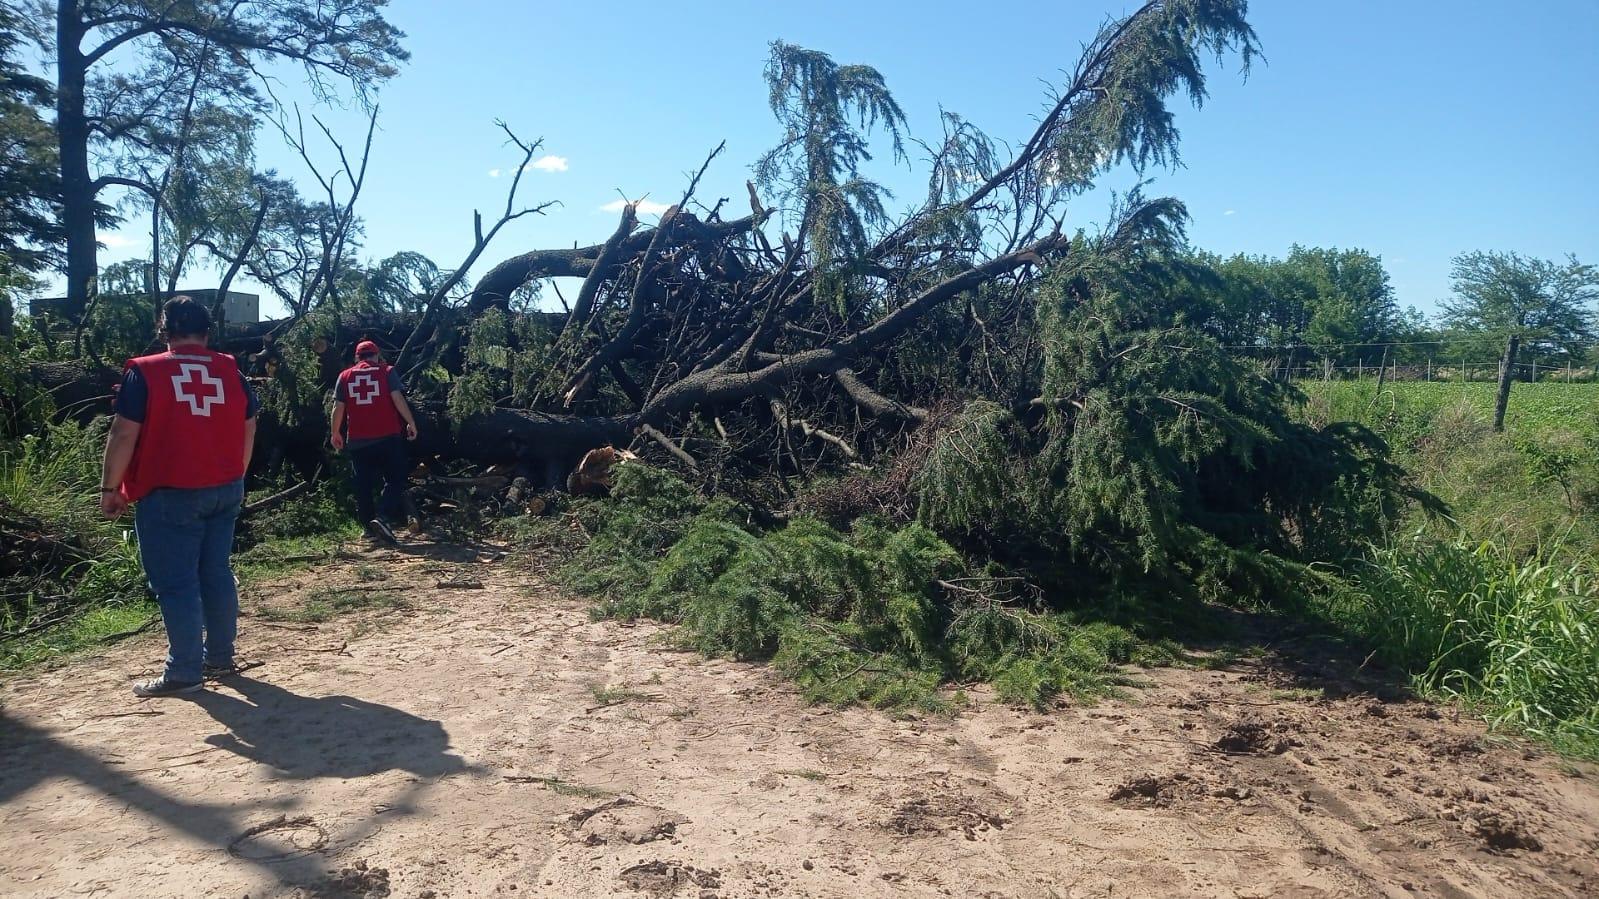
494 289
77 186
78 391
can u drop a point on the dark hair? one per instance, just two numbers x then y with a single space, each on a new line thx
181 316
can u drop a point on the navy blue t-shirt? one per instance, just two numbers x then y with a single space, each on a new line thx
133 397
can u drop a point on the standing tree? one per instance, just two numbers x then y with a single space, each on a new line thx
1548 304
185 55
1351 299
30 233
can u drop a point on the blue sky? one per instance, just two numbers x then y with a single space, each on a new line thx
1415 130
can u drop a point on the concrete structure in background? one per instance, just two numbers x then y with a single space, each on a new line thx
237 308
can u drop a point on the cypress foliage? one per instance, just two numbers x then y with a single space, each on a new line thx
879 614
1153 463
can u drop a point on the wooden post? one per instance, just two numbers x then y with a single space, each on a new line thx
1506 370
1429 369
1326 369
1360 368
1382 370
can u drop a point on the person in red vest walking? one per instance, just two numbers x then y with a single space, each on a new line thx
369 415
179 447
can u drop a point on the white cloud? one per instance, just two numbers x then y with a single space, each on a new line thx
549 163
115 241
1231 212
645 207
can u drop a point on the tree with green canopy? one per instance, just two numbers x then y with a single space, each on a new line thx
30 186
1549 304
129 69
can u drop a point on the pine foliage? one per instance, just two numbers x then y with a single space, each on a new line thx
1153 460
878 614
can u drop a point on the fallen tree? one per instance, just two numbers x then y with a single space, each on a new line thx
778 326
784 336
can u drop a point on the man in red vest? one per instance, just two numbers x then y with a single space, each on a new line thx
369 415
179 447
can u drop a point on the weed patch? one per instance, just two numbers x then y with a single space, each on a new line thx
329 602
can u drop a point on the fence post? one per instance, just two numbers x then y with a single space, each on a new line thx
1429 369
1506 371
1382 371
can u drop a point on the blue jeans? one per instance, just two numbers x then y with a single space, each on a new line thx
185 537
385 461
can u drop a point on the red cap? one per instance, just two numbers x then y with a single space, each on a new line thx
365 347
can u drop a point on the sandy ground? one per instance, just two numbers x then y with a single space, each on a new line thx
468 746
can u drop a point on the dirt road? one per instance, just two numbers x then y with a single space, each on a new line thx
495 742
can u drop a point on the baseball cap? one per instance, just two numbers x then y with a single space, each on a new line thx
366 347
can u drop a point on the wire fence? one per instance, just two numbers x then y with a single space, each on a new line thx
1457 371
1418 360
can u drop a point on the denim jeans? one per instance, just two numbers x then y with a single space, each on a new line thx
185 537
386 460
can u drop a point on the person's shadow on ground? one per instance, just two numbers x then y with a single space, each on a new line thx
302 737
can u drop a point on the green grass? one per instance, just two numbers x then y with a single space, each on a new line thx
1534 487
1514 638
567 788
1405 410
613 695
50 480
86 630
1496 606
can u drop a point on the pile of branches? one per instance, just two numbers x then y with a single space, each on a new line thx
781 339
32 551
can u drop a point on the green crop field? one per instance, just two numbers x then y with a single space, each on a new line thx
1407 411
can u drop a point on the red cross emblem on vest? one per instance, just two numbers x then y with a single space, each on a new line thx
364 388
195 385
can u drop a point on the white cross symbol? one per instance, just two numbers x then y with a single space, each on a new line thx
198 404
363 388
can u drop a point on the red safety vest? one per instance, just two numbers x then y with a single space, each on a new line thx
193 433
369 411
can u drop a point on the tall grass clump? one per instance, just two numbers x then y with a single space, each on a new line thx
59 559
1513 636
